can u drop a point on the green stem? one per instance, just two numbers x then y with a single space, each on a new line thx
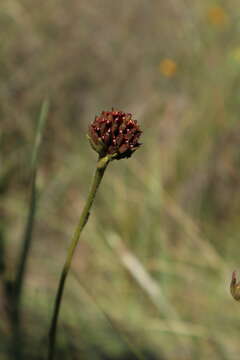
27 240
15 294
18 285
101 167
21 269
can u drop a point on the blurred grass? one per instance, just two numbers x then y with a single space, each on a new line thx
156 256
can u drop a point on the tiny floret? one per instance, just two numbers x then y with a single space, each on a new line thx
114 133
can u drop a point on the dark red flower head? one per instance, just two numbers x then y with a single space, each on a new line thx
235 287
114 133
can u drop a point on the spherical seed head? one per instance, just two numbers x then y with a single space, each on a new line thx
114 133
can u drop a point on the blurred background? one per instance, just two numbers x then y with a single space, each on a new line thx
150 279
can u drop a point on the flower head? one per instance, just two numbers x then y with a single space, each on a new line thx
168 67
114 133
217 16
235 287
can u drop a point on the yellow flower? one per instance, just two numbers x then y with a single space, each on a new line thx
168 67
217 16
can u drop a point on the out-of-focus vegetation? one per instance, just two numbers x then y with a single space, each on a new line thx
150 278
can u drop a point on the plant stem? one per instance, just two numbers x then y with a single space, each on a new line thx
18 285
32 205
15 293
101 167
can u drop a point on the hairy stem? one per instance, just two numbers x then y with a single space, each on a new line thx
101 167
